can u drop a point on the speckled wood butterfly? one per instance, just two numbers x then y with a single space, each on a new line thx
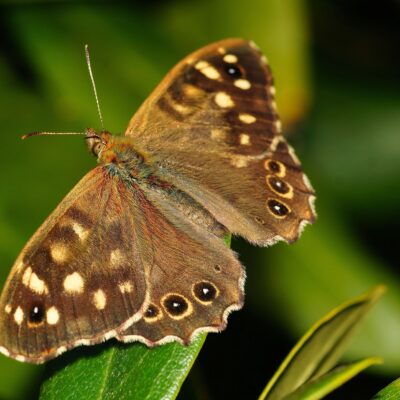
135 251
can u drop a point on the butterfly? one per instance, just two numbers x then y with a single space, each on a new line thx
136 250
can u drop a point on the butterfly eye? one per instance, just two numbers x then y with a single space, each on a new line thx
95 145
96 142
233 71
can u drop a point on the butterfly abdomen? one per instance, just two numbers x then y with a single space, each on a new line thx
176 204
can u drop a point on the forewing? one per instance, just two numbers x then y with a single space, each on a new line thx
212 128
79 278
195 279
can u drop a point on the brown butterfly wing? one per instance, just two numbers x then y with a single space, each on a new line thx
212 128
79 278
195 280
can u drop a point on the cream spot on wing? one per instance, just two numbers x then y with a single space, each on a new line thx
8 308
52 316
26 277
74 283
218 134
243 84
116 257
192 91
264 59
221 50
99 299
59 252
253 45
230 58
278 125
247 118
208 70
272 90
33 282
125 287
275 141
201 64
223 100
181 109
245 139
38 285
18 316
80 231
20 358
239 161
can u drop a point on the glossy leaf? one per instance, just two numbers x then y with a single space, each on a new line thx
320 348
327 383
121 372
390 392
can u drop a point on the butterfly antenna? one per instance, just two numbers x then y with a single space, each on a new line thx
28 135
93 83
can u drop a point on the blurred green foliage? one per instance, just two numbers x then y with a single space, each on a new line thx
338 104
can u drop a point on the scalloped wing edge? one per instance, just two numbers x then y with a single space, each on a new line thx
204 329
112 333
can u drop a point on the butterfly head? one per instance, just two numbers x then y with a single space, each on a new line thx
113 150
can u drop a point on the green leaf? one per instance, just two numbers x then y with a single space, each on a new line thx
390 392
325 384
116 371
320 348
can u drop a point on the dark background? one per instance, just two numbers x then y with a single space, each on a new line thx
337 75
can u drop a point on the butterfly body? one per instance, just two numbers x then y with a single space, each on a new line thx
135 251
124 162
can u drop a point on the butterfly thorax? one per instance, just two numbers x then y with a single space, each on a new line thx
119 155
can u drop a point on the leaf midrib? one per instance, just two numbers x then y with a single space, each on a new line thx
106 375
